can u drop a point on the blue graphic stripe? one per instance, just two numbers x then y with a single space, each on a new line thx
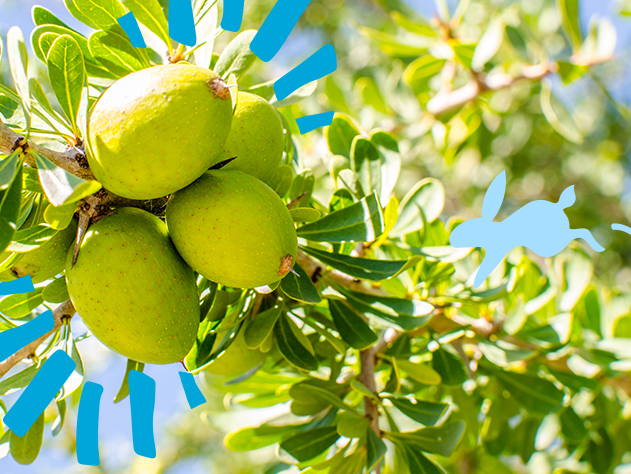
182 22
142 393
12 340
39 393
130 25
19 286
319 64
88 425
194 395
277 27
310 123
232 15
622 228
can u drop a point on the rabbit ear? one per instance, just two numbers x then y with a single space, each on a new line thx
494 196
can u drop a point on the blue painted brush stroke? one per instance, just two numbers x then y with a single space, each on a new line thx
622 228
182 22
310 123
142 395
318 65
232 15
130 25
194 395
277 27
12 340
88 425
16 287
39 393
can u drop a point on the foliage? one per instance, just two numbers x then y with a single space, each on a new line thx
380 356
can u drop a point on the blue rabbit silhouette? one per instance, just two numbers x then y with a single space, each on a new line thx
541 226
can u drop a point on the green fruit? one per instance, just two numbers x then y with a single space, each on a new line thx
25 449
132 289
233 229
237 359
48 260
157 130
256 138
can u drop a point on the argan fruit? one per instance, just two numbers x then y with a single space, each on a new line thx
237 359
132 289
255 139
157 130
233 229
48 260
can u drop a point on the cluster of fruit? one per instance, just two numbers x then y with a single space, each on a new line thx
160 132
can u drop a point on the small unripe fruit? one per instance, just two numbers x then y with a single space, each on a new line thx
256 138
233 229
157 130
48 260
132 289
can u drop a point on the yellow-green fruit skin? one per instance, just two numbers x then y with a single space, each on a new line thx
48 260
132 289
236 360
157 130
233 229
256 138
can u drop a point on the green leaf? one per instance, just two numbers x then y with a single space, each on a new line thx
488 45
25 449
420 71
570 16
572 426
43 16
123 391
394 46
422 373
371 94
419 463
59 218
407 314
18 65
558 116
10 200
363 268
206 25
66 69
352 425
304 214
237 57
248 439
423 203
150 14
31 238
577 270
375 449
298 285
433 439
97 14
291 347
533 393
352 327
326 393
449 366
360 222
18 380
19 306
60 186
8 169
427 413
340 134
308 444
259 329
56 291
115 52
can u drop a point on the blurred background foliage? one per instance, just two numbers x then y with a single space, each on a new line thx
467 88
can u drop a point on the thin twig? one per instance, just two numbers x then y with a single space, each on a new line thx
62 312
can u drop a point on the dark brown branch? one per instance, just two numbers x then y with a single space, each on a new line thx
72 160
62 312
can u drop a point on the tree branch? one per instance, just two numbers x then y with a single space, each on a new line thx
62 312
72 160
